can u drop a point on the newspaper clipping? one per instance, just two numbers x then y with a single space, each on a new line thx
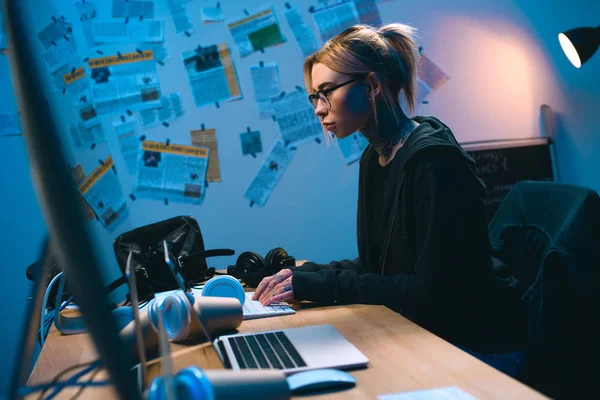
85 135
335 18
269 174
208 138
102 191
256 31
211 74
296 118
126 130
115 31
304 36
267 85
181 18
352 147
170 109
77 85
58 43
171 172
125 82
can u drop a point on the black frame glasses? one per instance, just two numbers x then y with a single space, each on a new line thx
322 94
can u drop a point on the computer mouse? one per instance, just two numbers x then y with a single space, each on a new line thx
320 379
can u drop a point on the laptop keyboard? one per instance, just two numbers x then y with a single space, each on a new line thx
254 309
265 351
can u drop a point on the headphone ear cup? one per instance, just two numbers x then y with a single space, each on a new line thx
274 260
250 267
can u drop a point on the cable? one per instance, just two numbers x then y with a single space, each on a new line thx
59 375
46 295
72 379
85 384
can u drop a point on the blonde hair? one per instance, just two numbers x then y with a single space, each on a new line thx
389 52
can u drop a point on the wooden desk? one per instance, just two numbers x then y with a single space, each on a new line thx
403 356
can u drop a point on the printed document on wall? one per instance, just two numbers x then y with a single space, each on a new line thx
267 85
296 118
133 8
211 74
269 174
86 135
352 147
212 14
79 176
102 191
126 82
170 109
115 31
208 138
126 131
335 18
171 172
58 43
181 18
368 12
77 85
10 124
88 12
429 78
302 33
256 31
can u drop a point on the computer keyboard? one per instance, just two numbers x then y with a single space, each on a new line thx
254 309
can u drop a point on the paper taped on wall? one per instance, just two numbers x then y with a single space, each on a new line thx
296 118
256 31
211 74
212 14
267 85
84 135
125 82
111 31
10 124
352 147
170 109
269 174
173 172
133 8
79 176
126 130
102 191
332 19
304 36
208 138
88 12
181 18
77 85
251 142
58 43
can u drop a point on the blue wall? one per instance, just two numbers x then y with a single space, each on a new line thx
503 59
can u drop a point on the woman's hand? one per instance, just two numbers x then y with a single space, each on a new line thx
275 288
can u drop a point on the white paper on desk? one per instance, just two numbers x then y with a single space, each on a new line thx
335 18
296 118
126 131
128 82
269 174
181 18
352 147
256 31
116 31
77 85
10 124
103 193
84 135
170 109
445 393
267 85
302 33
212 14
368 12
174 172
58 43
133 8
88 12
211 74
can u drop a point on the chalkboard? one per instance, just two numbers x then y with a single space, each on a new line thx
501 164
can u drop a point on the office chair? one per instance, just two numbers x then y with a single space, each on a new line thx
548 234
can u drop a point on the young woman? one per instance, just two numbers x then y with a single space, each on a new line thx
422 229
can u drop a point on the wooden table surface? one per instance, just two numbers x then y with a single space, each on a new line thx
403 356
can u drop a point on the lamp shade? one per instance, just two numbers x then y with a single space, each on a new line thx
580 44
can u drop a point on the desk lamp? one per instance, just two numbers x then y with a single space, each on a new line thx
580 44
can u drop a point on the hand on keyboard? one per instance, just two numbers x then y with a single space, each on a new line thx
254 309
277 287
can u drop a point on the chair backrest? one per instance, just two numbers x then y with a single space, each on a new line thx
550 233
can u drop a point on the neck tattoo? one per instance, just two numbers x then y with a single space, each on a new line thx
390 132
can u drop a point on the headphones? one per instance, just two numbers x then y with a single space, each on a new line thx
251 268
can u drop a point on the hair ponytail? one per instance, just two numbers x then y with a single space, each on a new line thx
400 39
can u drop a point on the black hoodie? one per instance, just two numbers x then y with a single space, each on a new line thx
433 261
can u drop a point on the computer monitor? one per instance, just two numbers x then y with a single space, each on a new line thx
62 209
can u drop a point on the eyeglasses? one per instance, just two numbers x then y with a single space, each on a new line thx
322 94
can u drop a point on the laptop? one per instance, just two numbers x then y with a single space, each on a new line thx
290 350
